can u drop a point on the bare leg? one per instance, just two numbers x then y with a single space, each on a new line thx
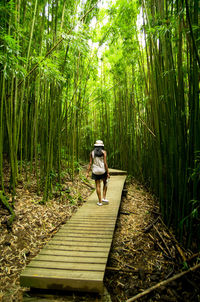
104 188
98 189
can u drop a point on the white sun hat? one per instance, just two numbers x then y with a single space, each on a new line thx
99 143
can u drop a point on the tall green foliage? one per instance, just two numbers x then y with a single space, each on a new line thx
44 54
137 89
155 108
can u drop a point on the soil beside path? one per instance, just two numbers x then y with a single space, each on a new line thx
145 252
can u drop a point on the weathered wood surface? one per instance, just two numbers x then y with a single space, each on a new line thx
75 258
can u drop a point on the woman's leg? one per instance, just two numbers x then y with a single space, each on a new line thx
98 189
104 188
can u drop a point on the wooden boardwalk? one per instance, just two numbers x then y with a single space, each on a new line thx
75 258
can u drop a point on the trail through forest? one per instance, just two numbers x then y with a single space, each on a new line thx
144 251
126 72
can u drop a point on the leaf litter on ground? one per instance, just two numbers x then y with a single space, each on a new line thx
145 252
34 225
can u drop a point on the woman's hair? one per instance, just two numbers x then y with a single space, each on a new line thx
98 151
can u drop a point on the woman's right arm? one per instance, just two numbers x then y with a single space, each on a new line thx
89 167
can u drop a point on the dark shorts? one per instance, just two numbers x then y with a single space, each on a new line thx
98 177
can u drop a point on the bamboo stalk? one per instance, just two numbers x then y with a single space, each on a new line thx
163 283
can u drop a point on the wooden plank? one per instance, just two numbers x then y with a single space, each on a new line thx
100 212
77 248
113 172
114 216
62 274
62 279
99 223
92 221
79 243
99 267
87 229
96 214
77 234
93 225
66 259
57 237
91 254
100 232
86 234
103 218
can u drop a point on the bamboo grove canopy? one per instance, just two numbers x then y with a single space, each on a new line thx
125 71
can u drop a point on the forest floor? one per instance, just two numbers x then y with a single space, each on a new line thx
144 251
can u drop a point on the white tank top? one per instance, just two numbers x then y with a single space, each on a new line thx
98 166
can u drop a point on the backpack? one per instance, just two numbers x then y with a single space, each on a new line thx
98 151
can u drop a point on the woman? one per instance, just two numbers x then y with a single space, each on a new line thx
99 170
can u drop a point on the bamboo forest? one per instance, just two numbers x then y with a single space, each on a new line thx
123 71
